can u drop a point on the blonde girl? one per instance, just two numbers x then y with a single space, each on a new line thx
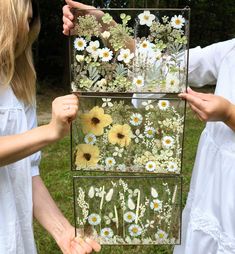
22 192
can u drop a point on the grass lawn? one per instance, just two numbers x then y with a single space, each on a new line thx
55 171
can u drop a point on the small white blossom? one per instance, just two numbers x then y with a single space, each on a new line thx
167 142
145 46
163 104
118 151
129 217
146 18
106 232
80 44
148 104
94 219
107 103
156 205
110 162
149 224
150 166
172 167
105 54
125 56
137 136
90 139
172 82
93 48
135 230
139 82
177 21
161 235
149 132
136 119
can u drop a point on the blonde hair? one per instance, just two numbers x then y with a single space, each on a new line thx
16 61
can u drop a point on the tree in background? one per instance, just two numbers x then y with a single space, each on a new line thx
211 21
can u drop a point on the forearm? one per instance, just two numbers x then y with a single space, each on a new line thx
230 121
16 147
46 211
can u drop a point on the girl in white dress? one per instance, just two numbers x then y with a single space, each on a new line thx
22 192
209 216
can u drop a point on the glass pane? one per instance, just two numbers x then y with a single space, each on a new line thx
129 50
128 134
128 210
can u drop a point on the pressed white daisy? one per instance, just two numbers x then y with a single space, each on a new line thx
129 217
137 136
106 232
94 219
110 162
90 139
93 48
150 166
107 102
149 132
125 56
161 235
146 18
163 104
135 230
177 21
148 104
156 205
105 54
139 81
172 167
80 44
136 119
167 141
118 151
80 58
145 46
105 34
172 83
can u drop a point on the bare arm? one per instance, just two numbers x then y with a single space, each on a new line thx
50 217
16 147
210 107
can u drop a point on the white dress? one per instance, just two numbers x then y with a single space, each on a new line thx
209 215
16 206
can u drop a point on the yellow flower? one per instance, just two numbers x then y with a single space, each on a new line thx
87 155
95 121
120 134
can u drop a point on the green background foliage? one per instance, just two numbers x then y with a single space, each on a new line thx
211 21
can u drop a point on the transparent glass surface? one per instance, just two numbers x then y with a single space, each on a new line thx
128 210
128 134
129 50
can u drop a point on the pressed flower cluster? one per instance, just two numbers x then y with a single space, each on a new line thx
110 56
129 211
115 135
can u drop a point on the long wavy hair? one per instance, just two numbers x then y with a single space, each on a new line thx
17 34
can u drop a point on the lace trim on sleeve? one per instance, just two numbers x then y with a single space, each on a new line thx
210 225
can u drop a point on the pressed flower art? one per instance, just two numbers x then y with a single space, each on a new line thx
128 135
129 51
128 210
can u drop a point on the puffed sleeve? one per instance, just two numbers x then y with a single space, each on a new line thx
204 63
35 158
